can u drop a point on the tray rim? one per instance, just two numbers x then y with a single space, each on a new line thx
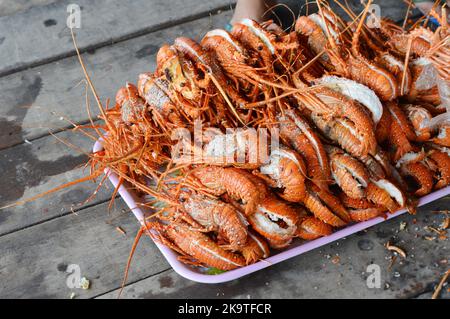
189 273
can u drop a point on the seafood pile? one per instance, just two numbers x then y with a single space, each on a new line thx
348 110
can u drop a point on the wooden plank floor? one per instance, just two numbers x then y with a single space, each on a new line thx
40 241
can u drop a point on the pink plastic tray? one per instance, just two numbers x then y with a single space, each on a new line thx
296 249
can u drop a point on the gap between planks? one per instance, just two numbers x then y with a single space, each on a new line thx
73 211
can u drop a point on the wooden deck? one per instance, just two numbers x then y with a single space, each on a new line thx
40 88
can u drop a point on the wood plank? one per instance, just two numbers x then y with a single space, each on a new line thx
31 169
315 275
34 261
29 97
40 35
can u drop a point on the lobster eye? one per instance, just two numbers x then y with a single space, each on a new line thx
260 47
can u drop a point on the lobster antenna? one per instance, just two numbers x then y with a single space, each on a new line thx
363 18
348 9
227 99
356 36
408 11
88 109
53 190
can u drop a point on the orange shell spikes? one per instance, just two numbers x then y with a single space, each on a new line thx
288 172
355 203
255 249
378 79
325 207
398 70
442 167
345 133
443 137
271 210
384 193
360 215
130 102
352 111
420 43
218 216
399 116
384 126
236 182
297 133
418 116
350 174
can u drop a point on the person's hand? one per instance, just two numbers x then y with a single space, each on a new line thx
251 9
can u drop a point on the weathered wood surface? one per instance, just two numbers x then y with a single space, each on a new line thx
31 169
34 261
319 274
393 9
29 97
41 35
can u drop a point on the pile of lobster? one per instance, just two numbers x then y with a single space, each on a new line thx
353 106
